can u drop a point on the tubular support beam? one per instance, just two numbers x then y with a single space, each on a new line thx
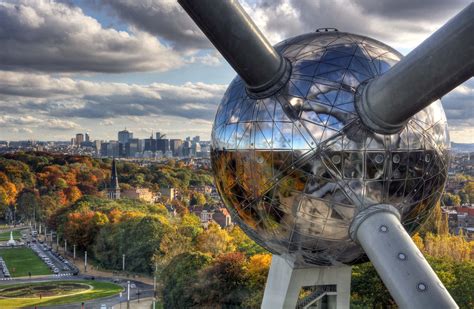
237 38
406 274
434 68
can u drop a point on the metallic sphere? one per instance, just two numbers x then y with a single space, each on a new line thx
295 168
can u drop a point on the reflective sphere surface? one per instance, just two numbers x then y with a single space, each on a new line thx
295 168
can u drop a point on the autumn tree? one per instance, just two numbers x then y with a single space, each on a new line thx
215 240
257 271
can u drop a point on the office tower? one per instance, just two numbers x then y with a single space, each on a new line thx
163 145
175 146
132 147
124 136
79 139
150 144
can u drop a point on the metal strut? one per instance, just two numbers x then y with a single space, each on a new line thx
407 275
237 38
438 65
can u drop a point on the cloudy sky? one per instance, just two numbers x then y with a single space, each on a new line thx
101 65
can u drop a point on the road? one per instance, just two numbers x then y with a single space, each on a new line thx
145 290
138 293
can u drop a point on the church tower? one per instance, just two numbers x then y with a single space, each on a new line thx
114 189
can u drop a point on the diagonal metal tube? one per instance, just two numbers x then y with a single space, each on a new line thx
238 39
405 272
434 68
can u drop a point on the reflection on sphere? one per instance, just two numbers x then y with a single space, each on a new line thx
295 168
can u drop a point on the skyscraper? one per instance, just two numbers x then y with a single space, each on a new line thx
124 136
79 139
150 144
175 147
132 147
163 145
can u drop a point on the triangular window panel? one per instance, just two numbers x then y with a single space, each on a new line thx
335 76
350 80
303 86
305 67
342 62
326 67
263 114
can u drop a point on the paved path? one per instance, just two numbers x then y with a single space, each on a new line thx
143 285
118 301
145 290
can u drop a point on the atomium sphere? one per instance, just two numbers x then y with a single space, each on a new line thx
295 168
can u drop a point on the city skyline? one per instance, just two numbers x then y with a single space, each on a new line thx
100 66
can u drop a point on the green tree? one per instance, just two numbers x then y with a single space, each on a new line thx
27 204
223 284
179 275
244 244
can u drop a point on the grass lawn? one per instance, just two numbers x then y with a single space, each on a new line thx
5 236
20 261
98 290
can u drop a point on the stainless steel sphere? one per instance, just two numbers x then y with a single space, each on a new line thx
295 168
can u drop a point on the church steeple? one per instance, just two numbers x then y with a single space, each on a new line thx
114 188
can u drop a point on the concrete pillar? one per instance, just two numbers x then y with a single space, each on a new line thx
285 281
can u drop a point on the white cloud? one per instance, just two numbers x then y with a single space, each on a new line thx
27 93
56 37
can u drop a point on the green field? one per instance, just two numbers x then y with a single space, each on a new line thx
65 295
5 236
20 261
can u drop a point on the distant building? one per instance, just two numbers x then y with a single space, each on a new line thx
132 148
168 193
175 147
88 139
163 145
201 189
79 139
150 144
110 149
222 217
113 192
124 136
142 194
208 214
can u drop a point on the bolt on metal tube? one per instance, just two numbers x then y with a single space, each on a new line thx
238 39
438 65
402 267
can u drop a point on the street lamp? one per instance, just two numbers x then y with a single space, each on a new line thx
128 293
154 279
85 261
123 262
74 252
65 247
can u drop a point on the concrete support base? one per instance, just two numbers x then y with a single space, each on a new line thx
285 281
